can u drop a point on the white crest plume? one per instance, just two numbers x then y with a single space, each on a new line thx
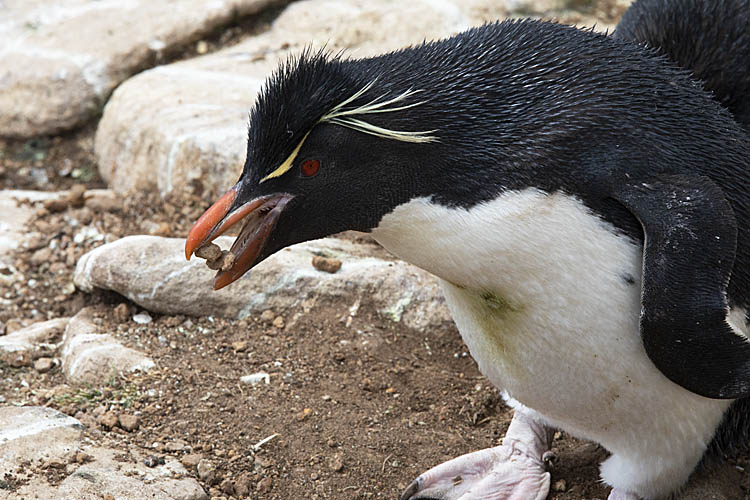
339 115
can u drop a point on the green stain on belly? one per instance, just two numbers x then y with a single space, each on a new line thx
496 306
492 326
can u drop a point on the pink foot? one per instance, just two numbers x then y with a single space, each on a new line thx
513 471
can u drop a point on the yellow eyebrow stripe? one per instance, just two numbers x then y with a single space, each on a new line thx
284 167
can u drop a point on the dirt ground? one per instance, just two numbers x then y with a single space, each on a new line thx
349 412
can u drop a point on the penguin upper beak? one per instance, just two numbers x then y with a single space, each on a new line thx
260 215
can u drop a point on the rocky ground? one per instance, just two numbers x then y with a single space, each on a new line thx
122 374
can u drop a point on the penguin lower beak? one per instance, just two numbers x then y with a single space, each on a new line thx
260 216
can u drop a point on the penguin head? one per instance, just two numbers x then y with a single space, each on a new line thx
330 148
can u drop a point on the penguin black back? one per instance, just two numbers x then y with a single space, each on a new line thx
709 38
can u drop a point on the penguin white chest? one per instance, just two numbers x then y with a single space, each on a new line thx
547 297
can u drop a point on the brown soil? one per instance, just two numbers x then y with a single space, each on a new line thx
355 411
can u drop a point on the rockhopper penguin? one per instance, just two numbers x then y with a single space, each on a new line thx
585 204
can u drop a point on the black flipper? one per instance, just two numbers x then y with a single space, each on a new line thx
690 245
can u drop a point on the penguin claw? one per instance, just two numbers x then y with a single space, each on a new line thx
410 490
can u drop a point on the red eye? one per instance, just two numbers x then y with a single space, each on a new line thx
310 167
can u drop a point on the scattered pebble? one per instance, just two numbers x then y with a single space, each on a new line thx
227 486
256 378
175 446
154 460
122 312
43 365
278 322
83 458
242 485
337 464
264 485
326 264
560 485
191 460
17 359
108 420
267 316
129 422
206 470
240 345
304 414
142 318
201 47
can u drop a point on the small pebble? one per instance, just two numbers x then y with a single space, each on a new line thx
206 470
256 378
337 464
142 318
326 264
223 263
17 359
240 345
43 365
129 422
154 460
191 460
264 485
122 312
267 316
301 416
175 446
278 322
108 420
227 486
210 251
560 485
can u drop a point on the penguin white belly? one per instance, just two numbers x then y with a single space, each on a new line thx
547 297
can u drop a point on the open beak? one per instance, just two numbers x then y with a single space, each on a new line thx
260 216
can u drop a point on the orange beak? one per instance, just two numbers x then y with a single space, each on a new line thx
260 216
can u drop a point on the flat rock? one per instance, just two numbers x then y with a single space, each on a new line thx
36 434
152 272
60 61
90 356
33 438
39 339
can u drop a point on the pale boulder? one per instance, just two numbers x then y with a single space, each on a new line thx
152 272
33 439
36 434
39 339
90 356
59 61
